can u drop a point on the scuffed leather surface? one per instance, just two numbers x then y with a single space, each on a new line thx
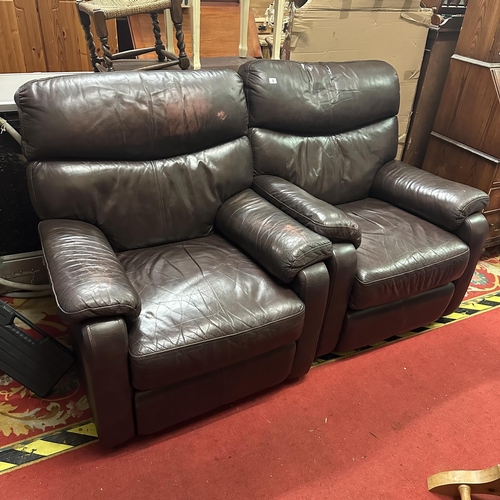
336 169
473 232
369 326
102 352
276 241
319 98
167 406
341 268
313 213
311 285
87 279
440 201
143 203
400 254
142 115
205 305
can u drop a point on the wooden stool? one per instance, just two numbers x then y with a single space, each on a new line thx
100 10
465 482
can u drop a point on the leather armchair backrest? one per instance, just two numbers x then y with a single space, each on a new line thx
148 157
326 127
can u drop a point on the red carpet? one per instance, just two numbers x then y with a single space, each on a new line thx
373 426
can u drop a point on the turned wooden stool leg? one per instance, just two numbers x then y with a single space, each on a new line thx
159 47
466 482
85 21
176 13
102 32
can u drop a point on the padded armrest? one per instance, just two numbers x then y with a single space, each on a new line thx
315 214
87 278
277 242
440 201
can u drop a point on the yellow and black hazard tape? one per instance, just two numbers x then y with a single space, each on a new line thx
45 446
466 309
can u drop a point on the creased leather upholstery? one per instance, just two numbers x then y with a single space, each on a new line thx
169 405
319 98
315 214
369 326
400 255
143 115
276 241
337 169
160 193
87 279
472 232
102 346
440 201
205 305
311 285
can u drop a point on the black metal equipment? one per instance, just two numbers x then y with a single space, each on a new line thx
36 361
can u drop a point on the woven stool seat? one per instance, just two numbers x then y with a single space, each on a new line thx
99 11
122 8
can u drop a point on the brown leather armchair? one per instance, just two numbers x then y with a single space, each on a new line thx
405 242
185 290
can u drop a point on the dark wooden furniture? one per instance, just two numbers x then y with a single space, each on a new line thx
440 46
465 141
102 10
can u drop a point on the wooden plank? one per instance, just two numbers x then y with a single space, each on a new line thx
480 35
31 35
12 58
220 26
64 40
429 91
470 108
447 159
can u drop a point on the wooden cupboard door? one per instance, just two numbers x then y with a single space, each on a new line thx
64 40
469 111
455 162
11 57
20 37
31 35
480 35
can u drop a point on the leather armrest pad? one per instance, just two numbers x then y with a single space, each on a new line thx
277 242
317 215
440 201
87 278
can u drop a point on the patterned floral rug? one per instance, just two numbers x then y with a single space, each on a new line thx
24 416
486 278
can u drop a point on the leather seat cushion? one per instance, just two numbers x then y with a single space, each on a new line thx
400 254
205 306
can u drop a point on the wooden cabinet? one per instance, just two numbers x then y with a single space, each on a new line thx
465 141
44 35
